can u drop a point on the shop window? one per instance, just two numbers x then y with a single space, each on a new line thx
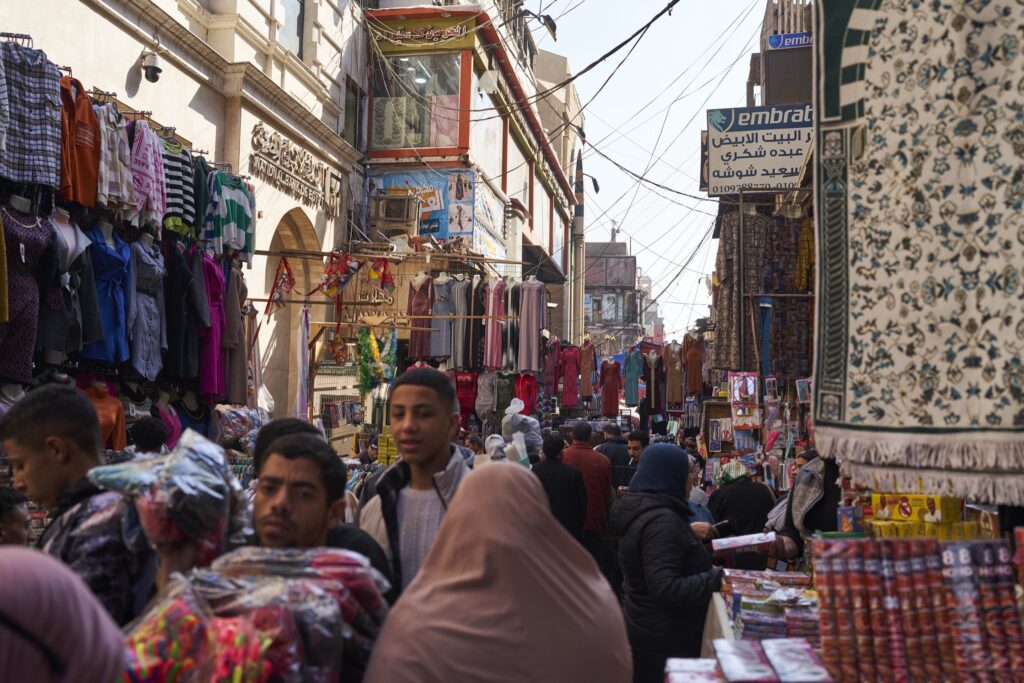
416 101
354 103
290 33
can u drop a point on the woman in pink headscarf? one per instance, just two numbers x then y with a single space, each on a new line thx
505 595
51 627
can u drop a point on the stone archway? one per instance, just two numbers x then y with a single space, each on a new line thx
294 232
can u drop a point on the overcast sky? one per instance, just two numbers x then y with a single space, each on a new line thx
695 59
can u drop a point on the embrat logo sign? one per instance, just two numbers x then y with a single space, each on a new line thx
785 41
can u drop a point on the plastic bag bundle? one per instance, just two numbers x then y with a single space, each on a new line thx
190 493
172 641
514 423
237 422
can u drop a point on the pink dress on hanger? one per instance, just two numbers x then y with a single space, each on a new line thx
571 376
495 334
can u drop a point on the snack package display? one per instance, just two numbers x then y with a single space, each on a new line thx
189 493
748 543
692 671
743 661
795 661
904 507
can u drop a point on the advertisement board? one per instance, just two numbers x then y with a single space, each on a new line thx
446 198
757 148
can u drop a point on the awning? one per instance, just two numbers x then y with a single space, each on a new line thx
536 261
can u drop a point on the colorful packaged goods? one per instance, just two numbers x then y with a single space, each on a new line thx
743 544
922 611
743 661
795 661
905 507
771 604
850 519
692 671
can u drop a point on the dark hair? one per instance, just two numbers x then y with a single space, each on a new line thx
431 379
53 410
149 434
553 446
315 448
612 429
272 431
475 440
10 499
581 432
690 442
641 436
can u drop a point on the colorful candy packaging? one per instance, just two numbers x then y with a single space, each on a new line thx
189 493
795 661
692 671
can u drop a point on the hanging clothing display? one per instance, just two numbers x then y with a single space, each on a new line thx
672 357
115 189
147 323
505 392
532 319
461 290
112 269
180 212
526 391
69 312
692 346
80 145
570 361
235 364
420 296
611 384
734 285
654 379
199 419
633 370
475 325
147 174
495 332
486 401
465 393
441 336
26 237
169 416
113 431
511 356
588 365
32 149
552 365
230 219
212 380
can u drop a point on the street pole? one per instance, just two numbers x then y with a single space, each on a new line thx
579 257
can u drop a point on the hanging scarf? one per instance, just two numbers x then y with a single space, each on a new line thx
338 272
370 369
284 283
381 272
301 409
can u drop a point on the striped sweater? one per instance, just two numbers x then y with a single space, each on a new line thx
181 201
229 216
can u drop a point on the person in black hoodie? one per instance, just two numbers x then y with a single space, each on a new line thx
669 575
617 451
744 504
564 486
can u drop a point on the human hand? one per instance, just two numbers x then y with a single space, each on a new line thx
704 531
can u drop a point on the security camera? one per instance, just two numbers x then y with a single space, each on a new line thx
151 66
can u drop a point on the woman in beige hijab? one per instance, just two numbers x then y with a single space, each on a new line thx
505 595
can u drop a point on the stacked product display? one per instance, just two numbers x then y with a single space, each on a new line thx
918 610
771 604
783 660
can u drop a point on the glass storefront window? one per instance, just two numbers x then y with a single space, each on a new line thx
416 101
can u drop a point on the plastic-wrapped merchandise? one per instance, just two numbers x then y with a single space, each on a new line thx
795 661
237 422
173 640
514 423
189 493
743 661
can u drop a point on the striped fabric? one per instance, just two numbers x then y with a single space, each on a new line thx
5 111
114 188
181 201
147 175
32 149
229 218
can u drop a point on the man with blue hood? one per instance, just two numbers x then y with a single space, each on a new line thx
669 574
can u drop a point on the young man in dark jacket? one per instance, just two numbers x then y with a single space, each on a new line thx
616 450
52 438
564 486
410 498
669 576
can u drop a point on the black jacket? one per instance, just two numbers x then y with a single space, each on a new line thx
617 451
566 493
745 504
669 577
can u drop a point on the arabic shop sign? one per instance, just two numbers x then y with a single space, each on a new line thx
424 33
757 148
294 170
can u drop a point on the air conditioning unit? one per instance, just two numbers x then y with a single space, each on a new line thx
395 214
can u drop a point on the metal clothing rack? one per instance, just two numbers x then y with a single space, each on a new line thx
23 39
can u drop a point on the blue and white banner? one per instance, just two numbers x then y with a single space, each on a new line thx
787 41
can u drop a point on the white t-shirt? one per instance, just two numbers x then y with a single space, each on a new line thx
419 517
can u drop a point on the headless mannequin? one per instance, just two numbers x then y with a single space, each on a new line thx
61 378
190 401
442 278
63 221
100 385
532 278
146 239
476 281
460 277
419 279
165 401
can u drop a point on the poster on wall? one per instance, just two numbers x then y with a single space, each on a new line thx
489 219
446 198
